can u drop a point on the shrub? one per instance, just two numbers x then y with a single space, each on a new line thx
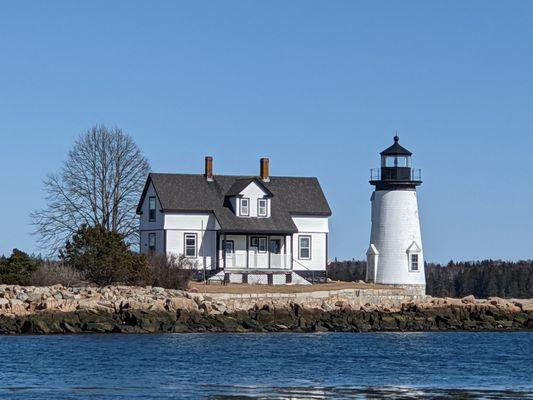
51 273
17 268
171 272
104 258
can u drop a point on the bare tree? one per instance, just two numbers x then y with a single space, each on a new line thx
99 184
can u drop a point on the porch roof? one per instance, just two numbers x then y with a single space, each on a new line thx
280 222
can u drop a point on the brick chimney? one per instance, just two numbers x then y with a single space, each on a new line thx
208 168
264 170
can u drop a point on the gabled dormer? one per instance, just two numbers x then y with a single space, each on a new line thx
414 258
249 198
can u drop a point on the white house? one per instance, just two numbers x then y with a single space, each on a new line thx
395 254
256 229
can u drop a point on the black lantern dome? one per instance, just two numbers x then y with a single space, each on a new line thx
395 171
396 149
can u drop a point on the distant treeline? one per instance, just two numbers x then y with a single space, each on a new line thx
349 271
457 279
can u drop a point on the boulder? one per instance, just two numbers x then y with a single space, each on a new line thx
389 323
219 308
100 327
469 299
17 306
183 303
525 305
47 305
86 304
22 296
206 307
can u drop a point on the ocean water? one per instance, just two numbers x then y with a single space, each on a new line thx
270 365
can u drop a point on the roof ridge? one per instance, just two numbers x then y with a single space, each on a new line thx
235 176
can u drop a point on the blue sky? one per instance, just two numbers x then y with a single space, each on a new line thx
319 87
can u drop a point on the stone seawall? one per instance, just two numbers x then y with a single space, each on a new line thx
355 298
41 310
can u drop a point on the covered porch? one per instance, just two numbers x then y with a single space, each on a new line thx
258 252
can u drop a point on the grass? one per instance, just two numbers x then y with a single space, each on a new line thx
238 288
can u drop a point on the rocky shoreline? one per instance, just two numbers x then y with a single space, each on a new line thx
123 309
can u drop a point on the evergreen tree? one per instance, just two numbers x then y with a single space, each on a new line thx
17 268
103 257
486 278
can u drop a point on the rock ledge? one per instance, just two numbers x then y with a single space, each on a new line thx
57 309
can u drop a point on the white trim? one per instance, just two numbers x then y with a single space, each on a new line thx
300 237
412 262
372 250
185 245
184 230
414 250
259 214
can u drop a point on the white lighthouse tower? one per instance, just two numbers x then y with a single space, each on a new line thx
395 254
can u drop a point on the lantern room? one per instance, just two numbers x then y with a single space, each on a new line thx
396 168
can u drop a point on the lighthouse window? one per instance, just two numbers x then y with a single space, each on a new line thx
390 161
403 161
414 262
397 161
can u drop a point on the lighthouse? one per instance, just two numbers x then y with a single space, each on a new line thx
395 255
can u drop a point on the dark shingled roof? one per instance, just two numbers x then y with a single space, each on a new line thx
396 149
194 193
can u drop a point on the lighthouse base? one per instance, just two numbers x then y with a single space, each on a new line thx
412 290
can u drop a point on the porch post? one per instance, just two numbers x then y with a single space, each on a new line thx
224 249
247 251
292 251
217 251
268 249
284 251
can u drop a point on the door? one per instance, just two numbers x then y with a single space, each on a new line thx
275 253
230 253
275 246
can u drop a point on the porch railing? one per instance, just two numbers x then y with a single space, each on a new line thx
258 261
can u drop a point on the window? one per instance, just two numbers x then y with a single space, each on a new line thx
262 248
245 207
259 243
151 208
396 161
414 258
229 245
414 262
390 161
304 251
190 245
261 207
151 242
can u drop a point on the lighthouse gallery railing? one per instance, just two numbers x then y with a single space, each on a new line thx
375 174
